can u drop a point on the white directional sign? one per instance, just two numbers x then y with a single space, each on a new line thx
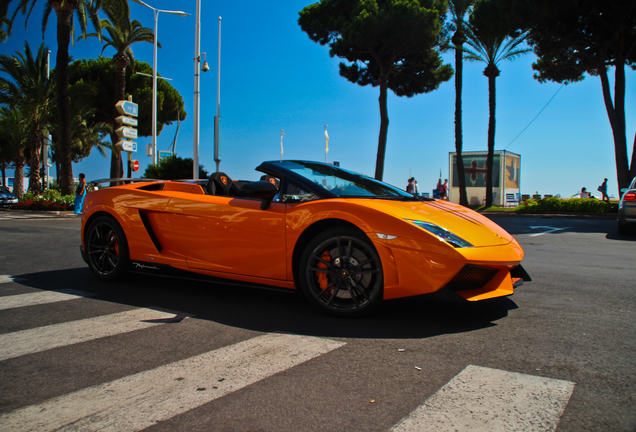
126 145
127 108
126 132
128 121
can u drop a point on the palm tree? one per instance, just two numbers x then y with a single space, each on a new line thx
31 91
459 9
65 10
13 137
492 49
121 35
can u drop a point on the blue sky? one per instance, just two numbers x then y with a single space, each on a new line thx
274 77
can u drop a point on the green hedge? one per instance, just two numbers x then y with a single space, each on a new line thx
571 205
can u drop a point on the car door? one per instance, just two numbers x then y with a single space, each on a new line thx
231 235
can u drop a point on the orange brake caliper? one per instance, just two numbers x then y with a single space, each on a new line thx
323 280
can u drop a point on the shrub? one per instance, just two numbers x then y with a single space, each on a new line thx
571 205
50 200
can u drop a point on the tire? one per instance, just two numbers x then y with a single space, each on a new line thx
107 249
341 273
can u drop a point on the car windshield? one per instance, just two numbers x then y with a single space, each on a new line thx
344 183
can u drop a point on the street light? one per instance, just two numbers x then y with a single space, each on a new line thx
154 75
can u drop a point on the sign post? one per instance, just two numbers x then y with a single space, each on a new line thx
128 130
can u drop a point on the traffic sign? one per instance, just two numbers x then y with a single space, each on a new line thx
127 108
126 132
135 165
126 145
128 121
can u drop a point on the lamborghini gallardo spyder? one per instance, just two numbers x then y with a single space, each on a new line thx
345 240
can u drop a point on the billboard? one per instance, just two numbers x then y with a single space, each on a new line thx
512 173
475 170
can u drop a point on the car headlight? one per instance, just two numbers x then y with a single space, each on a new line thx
441 233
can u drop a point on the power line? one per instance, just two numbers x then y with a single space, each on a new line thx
535 117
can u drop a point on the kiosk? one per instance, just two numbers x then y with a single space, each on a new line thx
506 178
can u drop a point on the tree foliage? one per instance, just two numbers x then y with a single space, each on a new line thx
491 44
30 90
387 43
173 168
66 12
99 74
121 33
577 37
14 131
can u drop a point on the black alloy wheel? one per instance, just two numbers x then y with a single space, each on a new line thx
341 273
106 248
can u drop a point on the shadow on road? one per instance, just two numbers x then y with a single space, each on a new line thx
273 311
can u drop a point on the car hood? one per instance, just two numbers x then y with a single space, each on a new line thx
468 224
5 195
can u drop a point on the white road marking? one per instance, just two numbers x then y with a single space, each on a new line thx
141 400
9 278
484 399
39 298
57 335
548 228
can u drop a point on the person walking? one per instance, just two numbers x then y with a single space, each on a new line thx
603 189
80 193
445 191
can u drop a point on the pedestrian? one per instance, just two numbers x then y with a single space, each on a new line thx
417 188
603 189
437 192
445 192
410 188
80 193
584 193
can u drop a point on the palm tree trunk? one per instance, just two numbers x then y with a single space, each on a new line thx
384 125
458 40
35 185
63 101
616 115
18 182
492 100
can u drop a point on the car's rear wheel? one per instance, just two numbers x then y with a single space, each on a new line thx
106 248
341 273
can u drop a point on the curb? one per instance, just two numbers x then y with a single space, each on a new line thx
600 216
43 213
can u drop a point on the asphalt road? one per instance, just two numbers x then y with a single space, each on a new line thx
572 328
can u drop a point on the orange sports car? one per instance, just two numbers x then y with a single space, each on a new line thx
345 240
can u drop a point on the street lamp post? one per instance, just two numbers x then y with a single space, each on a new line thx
154 74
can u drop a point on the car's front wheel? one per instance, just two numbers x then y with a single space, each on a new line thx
106 248
341 273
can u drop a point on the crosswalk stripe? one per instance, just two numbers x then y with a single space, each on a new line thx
8 278
141 400
484 399
40 298
57 335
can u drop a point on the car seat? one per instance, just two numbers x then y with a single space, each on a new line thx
221 184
